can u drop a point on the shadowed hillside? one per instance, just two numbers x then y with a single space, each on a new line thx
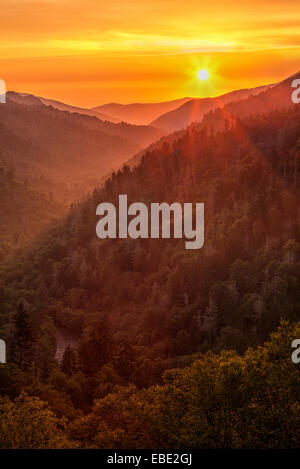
195 109
72 151
24 210
135 308
221 295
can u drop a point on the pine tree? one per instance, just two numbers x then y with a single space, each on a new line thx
95 347
124 362
69 362
24 341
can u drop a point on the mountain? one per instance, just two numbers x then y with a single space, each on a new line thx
278 96
71 151
139 113
140 135
25 98
271 98
166 302
133 309
69 108
24 211
195 109
121 312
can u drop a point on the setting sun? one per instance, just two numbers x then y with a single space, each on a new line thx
145 50
203 75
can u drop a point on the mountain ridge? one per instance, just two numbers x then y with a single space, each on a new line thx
29 99
195 109
139 113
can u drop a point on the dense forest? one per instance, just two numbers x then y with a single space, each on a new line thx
51 157
216 113
169 343
223 400
25 209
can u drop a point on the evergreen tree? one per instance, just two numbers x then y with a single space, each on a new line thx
69 362
96 346
24 341
124 362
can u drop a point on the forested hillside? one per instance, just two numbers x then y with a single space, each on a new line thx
195 109
72 152
24 210
278 96
169 302
140 135
219 113
136 308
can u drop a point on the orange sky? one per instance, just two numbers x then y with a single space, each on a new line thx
95 51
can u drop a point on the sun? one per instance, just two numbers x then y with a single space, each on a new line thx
203 75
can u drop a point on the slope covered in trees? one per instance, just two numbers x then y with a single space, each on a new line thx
195 109
140 135
153 297
72 152
219 113
278 96
24 210
140 307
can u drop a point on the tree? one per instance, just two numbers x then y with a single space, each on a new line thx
28 423
96 346
124 362
69 362
24 341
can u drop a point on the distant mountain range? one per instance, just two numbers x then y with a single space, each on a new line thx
73 146
195 109
173 115
29 99
218 111
139 113
69 108
273 98
73 151
140 135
